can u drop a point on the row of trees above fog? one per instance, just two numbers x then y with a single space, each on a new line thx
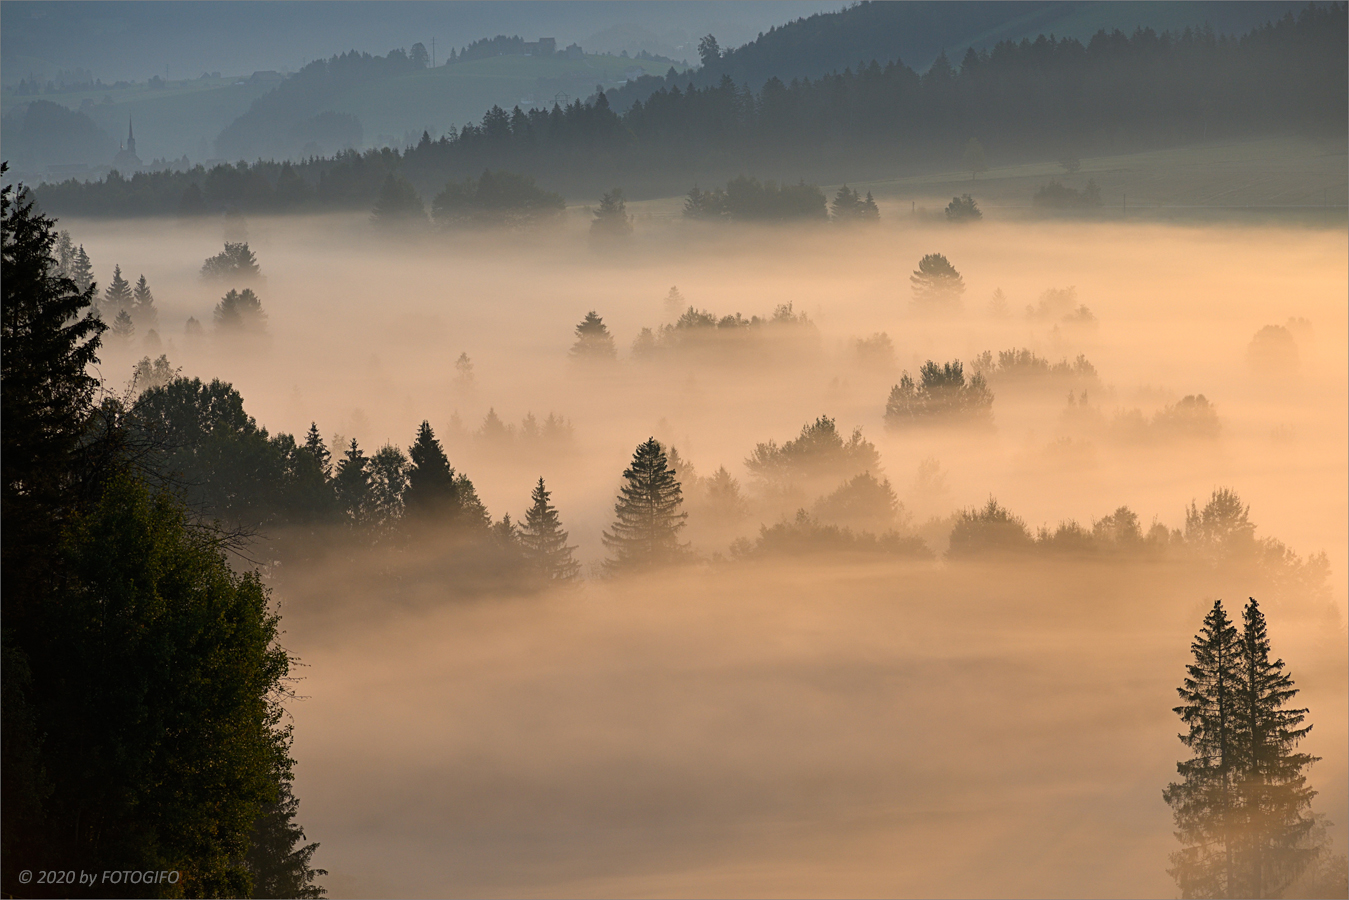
1117 91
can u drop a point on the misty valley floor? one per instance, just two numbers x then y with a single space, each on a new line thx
837 727
827 730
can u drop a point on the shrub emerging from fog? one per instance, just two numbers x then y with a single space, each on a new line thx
240 312
1273 351
818 453
1060 304
496 198
863 502
236 262
805 536
936 283
943 396
1059 196
848 206
1024 367
875 352
989 530
748 199
1190 417
149 375
963 209
701 330
611 220
647 514
593 340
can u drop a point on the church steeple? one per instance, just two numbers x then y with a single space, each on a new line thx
130 138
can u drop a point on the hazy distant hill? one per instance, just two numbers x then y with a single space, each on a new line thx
916 32
394 99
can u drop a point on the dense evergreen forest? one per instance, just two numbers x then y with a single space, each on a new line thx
144 687
1036 98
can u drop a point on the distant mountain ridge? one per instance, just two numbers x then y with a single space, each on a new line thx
917 31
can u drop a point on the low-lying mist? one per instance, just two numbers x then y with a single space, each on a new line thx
782 723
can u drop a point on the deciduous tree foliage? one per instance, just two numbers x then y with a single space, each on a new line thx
142 682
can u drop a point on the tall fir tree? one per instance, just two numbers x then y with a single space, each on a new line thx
82 271
435 493
544 542
593 340
1204 801
1275 797
143 311
1242 810
352 483
117 297
647 514
313 443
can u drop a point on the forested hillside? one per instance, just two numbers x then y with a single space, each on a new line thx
1034 98
918 32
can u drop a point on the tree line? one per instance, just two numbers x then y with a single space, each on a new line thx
1117 91
144 687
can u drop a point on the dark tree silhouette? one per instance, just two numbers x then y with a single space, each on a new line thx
943 396
240 312
278 858
117 297
543 541
936 283
235 262
647 514
143 311
123 328
82 271
315 447
593 340
611 217
963 209
434 492
1204 801
1242 806
398 203
352 482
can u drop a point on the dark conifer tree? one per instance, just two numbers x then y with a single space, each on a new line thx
352 482
278 859
118 296
82 271
544 542
240 312
1242 810
398 204
611 217
593 340
430 476
123 328
1204 802
647 514
936 282
49 336
143 311
1275 797
314 445
435 493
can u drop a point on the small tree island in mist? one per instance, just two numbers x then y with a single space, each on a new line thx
684 449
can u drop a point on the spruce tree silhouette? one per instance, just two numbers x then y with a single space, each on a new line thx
544 542
1243 806
647 514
